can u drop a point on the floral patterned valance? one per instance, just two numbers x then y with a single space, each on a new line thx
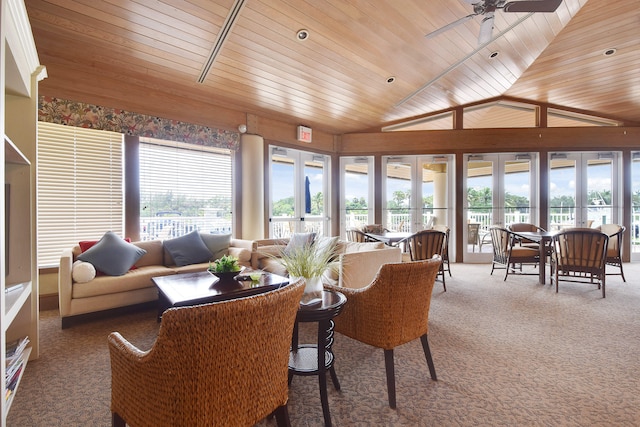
72 113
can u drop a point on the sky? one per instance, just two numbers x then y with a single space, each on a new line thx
562 182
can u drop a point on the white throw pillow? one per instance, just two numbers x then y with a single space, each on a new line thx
83 272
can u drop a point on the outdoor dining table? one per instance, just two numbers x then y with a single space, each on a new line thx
543 238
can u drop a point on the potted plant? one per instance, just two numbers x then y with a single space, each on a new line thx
309 262
225 268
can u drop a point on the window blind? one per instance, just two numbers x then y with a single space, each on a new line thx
80 187
184 187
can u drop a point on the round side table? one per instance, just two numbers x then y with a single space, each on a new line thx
307 359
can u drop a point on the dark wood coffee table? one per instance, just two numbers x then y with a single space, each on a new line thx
179 290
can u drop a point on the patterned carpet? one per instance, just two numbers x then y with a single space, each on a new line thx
506 353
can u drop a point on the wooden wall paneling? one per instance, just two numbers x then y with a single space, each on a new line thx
489 140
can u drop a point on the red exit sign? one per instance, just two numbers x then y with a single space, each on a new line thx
304 134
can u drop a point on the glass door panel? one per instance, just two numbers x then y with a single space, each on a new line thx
282 219
600 208
315 198
562 192
517 192
480 205
356 209
399 210
635 207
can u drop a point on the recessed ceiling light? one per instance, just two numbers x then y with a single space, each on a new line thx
391 79
610 51
494 54
302 34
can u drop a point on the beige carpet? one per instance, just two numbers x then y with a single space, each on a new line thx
506 353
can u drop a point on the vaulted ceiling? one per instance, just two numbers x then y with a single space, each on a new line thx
148 56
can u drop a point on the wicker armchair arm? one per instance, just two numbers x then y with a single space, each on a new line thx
124 348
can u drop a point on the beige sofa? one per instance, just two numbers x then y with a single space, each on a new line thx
358 262
134 287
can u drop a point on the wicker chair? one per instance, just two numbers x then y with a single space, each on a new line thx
508 256
373 316
614 248
580 256
427 243
222 364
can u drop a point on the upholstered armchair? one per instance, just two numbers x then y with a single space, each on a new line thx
222 364
391 311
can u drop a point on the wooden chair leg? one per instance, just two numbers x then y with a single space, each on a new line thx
427 354
282 416
391 377
117 420
444 285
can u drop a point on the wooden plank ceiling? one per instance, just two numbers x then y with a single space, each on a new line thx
147 56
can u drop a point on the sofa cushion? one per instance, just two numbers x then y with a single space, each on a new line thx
218 244
348 247
273 265
154 255
298 240
188 249
112 255
106 285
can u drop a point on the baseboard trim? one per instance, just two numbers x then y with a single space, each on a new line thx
48 302
81 318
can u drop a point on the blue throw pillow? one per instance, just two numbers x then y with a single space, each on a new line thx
188 249
112 255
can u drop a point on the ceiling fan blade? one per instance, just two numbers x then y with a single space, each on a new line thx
486 29
544 6
450 26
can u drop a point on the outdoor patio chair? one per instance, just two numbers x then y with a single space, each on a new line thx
614 249
427 243
509 256
580 256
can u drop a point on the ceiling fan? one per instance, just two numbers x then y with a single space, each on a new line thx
487 9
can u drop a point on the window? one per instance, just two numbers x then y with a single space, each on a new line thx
80 192
184 187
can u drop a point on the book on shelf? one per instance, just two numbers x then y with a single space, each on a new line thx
14 350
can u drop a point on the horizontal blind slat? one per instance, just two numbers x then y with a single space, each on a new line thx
80 187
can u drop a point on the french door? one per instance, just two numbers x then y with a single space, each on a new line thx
583 189
299 192
501 189
417 192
